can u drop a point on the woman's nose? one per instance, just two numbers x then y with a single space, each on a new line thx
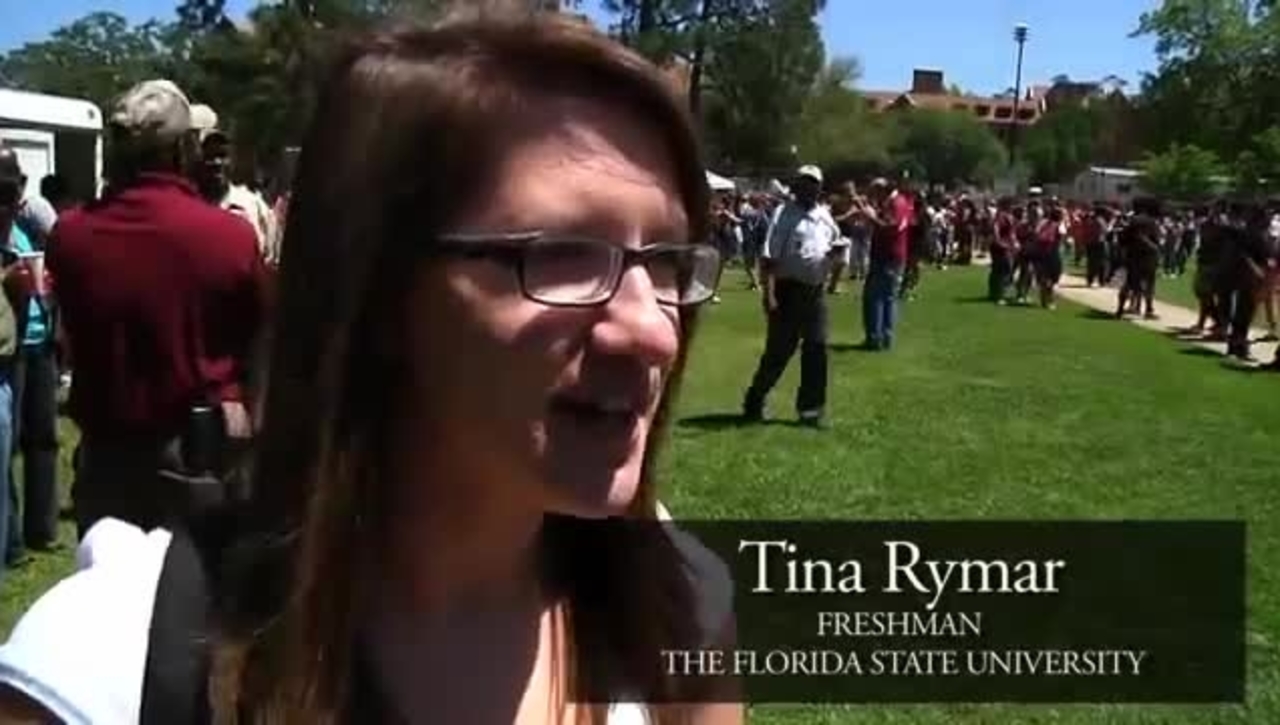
636 324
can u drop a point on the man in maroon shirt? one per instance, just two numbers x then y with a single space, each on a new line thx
161 297
890 215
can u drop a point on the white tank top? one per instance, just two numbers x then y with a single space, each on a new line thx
81 650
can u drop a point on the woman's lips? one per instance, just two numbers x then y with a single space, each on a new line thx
602 408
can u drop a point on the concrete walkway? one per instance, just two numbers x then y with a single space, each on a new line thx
1173 319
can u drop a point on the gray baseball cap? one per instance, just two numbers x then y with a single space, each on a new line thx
152 112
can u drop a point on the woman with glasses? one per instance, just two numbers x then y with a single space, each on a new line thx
493 259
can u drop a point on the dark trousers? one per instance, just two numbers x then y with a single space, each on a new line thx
1115 258
1224 286
964 255
1097 258
1140 275
6 438
1024 268
799 320
1243 305
910 276
1000 275
121 479
149 482
35 436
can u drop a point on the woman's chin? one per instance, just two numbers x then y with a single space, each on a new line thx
588 482
599 496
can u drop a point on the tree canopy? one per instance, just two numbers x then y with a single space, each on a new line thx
1217 86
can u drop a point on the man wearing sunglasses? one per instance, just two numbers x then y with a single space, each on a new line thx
794 266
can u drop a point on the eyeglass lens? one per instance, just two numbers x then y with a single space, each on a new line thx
584 272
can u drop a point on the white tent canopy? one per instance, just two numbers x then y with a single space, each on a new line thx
719 183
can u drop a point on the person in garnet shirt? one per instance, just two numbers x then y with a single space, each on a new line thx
1004 246
890 215
1050 236
162 298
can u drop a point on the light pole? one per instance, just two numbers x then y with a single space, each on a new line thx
1019 37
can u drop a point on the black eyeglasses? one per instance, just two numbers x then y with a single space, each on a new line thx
569 272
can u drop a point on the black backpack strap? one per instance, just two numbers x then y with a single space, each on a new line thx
175 683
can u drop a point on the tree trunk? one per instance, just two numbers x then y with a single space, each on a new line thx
698 58
647 16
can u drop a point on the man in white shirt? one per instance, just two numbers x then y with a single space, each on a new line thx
794 267
215 183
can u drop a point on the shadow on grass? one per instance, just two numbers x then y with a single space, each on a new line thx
1092 314
1254 369
975 300
1199 352
724 421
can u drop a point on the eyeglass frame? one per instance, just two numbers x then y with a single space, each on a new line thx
510 247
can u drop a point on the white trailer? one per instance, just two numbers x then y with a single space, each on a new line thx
1106 184
53 134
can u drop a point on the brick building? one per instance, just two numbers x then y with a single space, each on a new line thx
929 90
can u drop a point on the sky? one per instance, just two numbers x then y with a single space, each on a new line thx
971 41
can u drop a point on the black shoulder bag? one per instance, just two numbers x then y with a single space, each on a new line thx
175 682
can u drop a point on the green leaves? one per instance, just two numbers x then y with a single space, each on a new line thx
1187 173
1218 84
752 63
946 147
1257 168
841 132
96 57
1070 138
260 77
837 130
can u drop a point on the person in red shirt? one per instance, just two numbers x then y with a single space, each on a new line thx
1004 245
1050 235
162 297
916 233
1024 263
890 215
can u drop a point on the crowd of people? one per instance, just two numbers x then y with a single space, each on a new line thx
146 301
1235 246
797 245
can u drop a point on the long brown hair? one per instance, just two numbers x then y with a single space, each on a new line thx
404 135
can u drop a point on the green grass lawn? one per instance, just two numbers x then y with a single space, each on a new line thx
1179 290
979 413
991 413
22 585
